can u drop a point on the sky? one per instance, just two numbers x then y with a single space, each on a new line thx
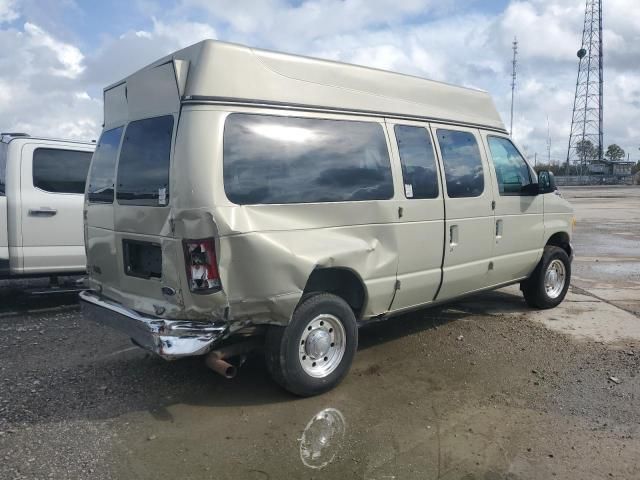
56 56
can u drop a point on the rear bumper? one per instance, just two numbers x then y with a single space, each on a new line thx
168 338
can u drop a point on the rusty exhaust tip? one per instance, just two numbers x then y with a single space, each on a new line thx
216 359
221 367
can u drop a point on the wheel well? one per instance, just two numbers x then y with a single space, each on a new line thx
560 239
341 282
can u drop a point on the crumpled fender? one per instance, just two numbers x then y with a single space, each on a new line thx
264 272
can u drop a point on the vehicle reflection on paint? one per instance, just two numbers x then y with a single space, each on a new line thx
322 438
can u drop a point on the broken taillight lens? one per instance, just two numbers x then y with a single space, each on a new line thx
202 266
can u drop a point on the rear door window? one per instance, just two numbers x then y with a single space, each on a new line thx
512 172
103 167
462 163
143 168
60 171
419 171
273 159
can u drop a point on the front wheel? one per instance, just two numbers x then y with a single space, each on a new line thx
549 282
314 352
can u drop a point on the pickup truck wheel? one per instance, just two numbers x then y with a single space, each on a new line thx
314 352
549 282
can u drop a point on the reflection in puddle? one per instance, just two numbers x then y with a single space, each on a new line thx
322 438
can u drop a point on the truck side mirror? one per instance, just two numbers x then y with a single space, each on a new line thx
546 182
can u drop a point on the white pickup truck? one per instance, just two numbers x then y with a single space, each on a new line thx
41 198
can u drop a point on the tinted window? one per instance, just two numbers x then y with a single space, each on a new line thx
143 169
418 162
270 159
512 172
3 165
60 171
103 167
462 163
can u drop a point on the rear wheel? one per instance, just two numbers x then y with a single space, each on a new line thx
314 352
549 282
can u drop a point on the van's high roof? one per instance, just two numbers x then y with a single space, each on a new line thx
219 72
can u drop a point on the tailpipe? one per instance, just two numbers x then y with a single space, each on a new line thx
218 365
216 360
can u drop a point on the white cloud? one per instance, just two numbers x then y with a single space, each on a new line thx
8 11
69 57
56 86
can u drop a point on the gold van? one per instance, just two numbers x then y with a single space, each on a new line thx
241 198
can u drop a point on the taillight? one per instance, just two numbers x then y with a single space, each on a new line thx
202 266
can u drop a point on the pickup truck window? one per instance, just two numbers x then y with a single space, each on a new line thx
419 173
512 172
3 166
275 159
60 171
462 163
103 167
143 169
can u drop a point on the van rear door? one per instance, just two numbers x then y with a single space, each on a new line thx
133 260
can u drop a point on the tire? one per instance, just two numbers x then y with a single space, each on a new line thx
541 290
314 352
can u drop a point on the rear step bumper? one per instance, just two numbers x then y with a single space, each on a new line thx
168 338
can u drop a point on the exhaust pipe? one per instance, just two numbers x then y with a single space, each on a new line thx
216 359
218 365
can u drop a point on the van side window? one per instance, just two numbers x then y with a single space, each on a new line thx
512 172
103 167
419 172
143 168
274 159
60 171
462 163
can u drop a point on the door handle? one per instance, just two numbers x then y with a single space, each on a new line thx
453 236
42 212
499 228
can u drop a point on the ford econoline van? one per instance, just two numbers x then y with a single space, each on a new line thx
241 199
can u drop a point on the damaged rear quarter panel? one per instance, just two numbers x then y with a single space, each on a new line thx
266 253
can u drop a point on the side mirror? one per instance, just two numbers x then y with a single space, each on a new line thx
546 182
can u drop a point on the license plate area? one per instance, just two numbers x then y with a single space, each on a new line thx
142 259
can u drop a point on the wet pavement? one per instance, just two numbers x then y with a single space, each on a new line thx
481 389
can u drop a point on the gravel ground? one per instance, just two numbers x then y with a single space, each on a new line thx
481 389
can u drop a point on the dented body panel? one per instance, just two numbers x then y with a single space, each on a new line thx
398 250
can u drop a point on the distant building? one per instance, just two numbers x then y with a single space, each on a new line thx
607 167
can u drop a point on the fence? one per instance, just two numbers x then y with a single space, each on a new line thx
576 180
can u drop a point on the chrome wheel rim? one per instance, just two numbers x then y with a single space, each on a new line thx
555 278
322 345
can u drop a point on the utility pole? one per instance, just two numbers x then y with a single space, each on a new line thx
513 79
548 142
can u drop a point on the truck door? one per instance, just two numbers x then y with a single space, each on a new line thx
4 224
421 227
519 225
468 209
52 184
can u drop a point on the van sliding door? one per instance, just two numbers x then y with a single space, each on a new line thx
420 230
468 204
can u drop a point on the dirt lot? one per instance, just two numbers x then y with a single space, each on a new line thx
482 389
